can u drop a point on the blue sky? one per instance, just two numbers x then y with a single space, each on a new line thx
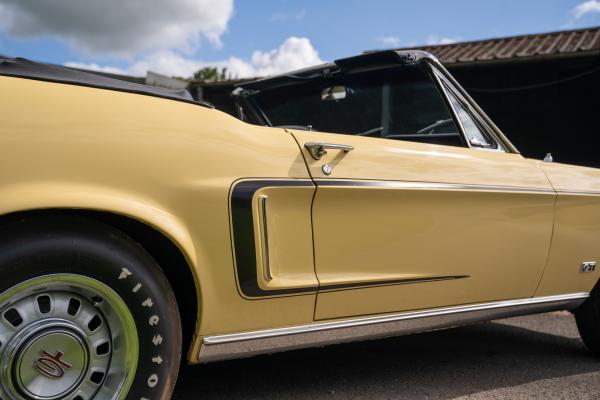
260 37
342 28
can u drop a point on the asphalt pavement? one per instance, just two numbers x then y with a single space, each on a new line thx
534 357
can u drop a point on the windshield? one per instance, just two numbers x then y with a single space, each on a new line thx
397 103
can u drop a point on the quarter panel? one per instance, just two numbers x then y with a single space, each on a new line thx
156 160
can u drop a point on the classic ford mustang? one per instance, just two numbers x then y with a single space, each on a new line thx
376 199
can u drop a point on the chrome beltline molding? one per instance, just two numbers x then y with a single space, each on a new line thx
228 346
428 185
415 185
580 192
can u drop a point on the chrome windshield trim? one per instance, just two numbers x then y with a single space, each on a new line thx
567 301
498 133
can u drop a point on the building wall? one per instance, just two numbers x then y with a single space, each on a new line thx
548 116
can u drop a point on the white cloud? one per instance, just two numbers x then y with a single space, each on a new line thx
587 7
437 39
120 27
392 41
293 53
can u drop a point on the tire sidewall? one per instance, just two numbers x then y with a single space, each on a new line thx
99 252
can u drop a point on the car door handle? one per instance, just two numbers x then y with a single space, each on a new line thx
318 150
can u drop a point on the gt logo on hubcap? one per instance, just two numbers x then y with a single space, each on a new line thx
51 366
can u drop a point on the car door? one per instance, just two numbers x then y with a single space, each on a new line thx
403 225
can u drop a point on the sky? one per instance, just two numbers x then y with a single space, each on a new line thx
259 37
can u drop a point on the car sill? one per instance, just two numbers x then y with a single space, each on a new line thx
236 345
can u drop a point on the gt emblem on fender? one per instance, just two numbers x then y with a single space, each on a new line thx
588 266
51 366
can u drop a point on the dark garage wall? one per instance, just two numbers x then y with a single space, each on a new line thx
542 106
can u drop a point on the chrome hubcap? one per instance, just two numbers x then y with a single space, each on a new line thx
65 337
50 363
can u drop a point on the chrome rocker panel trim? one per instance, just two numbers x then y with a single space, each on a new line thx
236 345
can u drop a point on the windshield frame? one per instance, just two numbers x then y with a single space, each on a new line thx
504 143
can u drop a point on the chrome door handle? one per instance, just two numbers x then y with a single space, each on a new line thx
317 150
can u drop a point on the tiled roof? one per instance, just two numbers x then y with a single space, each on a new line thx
553 44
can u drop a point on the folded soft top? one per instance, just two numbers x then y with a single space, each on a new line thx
23 68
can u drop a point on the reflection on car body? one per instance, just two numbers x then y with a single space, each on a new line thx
359 199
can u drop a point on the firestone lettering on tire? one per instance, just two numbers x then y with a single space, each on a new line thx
153 380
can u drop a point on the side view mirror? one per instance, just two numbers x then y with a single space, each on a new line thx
334 93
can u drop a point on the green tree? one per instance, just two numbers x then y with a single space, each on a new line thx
212 74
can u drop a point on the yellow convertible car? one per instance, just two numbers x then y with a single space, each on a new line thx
376 199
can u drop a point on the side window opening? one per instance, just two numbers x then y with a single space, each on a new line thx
398 103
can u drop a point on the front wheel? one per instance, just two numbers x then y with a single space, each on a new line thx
85 314
588 321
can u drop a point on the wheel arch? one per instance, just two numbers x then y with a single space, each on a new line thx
158 243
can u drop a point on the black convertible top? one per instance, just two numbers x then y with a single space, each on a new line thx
365 61
23 68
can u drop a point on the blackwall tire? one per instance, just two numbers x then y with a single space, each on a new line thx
588 321
85 314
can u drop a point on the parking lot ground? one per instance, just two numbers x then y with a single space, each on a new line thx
534 357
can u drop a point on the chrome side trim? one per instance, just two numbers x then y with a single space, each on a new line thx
264 237
429 186
223 347
578 192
